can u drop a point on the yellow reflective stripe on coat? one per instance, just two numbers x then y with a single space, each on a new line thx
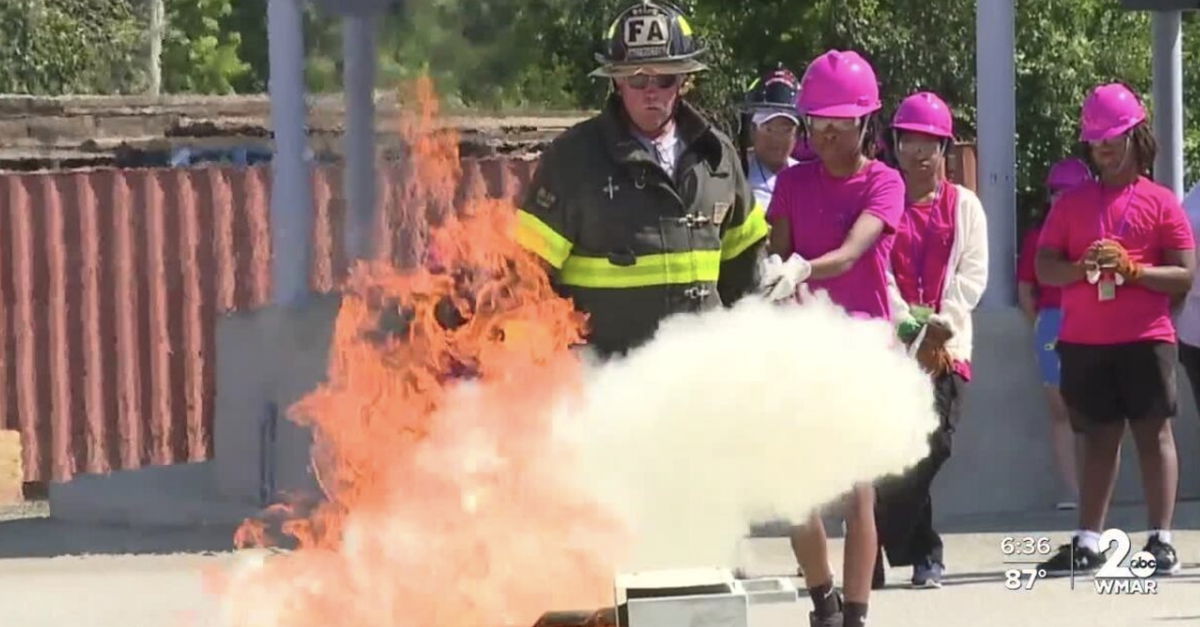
662 269
540 239
738 238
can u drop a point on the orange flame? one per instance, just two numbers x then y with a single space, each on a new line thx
448 500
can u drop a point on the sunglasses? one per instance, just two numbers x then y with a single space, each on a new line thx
1114 142
661 81
918 146
822 125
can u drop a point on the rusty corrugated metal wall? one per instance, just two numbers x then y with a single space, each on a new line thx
111 282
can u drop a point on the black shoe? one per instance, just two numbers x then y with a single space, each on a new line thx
832 620
1072 558
1164 555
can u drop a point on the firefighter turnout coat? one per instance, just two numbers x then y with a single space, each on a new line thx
631 245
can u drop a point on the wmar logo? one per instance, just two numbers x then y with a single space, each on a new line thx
1113 578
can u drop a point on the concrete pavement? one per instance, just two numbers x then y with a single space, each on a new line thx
975 595
57 574
167 590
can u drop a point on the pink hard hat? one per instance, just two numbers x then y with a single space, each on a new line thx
1109 111
924 112
839 84
1067 174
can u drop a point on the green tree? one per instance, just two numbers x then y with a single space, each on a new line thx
1191 97
199 55
1062 52
249 20
69 46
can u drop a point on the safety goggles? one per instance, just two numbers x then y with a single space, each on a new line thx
919 146
823 125
1112 142
661 81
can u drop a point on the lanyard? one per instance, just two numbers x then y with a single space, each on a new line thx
920 247
762 173
1121 226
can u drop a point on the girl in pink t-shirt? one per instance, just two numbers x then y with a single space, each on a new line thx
1041 304
834 221
1120 248
939 270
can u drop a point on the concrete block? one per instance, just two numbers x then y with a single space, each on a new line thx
134 126
266 361
305 339
242 411
61 129
680 598
13 131
179 495
705 597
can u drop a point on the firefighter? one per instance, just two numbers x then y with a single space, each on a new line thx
771 121
643 211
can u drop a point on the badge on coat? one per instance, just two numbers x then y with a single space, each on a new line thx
611 189
719 211
544 198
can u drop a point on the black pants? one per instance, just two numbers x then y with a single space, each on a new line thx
904 510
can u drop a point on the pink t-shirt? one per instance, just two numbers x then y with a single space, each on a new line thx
1048 296
921 254
822 209
1146 219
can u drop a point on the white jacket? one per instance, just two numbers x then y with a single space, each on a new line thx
966 276
1187 323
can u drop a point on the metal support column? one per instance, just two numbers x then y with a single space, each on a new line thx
1168 98
995 45
359 35
291 184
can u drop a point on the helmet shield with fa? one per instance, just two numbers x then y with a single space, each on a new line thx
649 38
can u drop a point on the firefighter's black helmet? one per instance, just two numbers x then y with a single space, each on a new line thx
650 37
775 91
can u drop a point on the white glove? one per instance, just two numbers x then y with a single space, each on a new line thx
780 279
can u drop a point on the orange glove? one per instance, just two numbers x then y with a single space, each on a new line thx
1111 255
931 353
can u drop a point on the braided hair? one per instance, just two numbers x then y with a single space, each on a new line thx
1145 147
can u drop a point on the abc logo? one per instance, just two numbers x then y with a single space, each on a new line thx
1142 564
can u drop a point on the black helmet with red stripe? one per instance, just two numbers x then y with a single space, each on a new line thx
650 37
777 90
